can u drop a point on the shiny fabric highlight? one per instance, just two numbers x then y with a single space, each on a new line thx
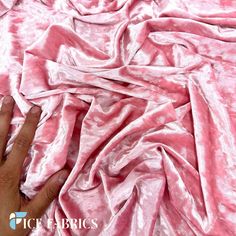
139 103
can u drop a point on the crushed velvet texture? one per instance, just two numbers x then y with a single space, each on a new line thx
139 103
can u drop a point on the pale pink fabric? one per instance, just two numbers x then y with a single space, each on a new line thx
138 102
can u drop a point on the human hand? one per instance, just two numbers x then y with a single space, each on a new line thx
11 200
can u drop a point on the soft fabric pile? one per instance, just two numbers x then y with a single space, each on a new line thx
139 103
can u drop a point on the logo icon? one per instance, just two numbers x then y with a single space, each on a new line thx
16 218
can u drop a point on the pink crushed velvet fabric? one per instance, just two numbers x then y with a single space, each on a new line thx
139 103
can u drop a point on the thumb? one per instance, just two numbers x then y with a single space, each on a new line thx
38 205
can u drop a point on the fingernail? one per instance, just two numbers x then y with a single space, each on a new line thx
35 110
63 177
8 100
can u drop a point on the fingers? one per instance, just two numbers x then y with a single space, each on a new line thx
47 194
23 140
5 120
